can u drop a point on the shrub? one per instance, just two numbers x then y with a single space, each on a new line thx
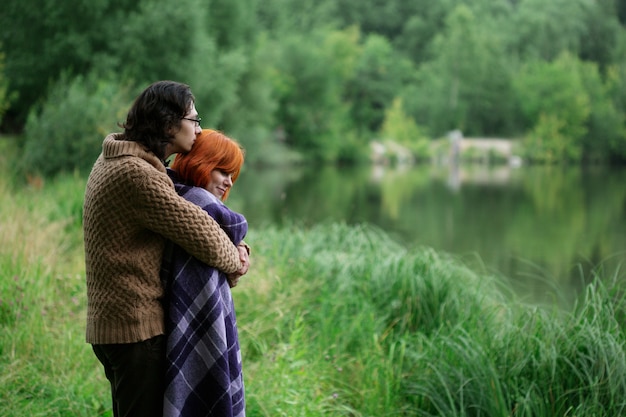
400 128
65 132
546 142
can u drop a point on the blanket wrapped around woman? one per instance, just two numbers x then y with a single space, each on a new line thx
203 374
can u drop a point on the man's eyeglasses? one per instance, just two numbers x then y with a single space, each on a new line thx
196 121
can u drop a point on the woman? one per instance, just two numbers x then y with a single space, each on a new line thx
130 210
203 360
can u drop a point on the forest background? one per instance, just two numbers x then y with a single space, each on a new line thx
319 80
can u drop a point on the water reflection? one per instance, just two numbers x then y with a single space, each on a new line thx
544 228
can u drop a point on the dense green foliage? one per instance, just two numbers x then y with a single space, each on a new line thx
64 136
317 77
334 320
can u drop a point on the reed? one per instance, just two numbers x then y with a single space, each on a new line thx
394 332
334 320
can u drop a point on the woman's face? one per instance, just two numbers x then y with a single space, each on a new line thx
185 137
220 182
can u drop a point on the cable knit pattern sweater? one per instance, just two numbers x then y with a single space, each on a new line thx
130 209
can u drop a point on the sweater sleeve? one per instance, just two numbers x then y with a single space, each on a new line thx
165 212
234 224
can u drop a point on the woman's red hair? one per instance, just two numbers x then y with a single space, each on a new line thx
212 150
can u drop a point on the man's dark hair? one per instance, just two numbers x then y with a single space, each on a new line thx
157 112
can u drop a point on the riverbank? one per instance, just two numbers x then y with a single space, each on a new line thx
334 320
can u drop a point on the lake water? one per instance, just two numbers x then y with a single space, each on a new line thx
543 228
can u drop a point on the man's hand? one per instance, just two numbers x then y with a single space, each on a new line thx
244 257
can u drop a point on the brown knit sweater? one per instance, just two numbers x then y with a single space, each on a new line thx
130 210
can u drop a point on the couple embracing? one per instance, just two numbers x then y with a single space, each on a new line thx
162 253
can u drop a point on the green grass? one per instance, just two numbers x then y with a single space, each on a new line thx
375 330
335 320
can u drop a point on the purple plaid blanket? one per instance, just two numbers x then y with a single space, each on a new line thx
203 374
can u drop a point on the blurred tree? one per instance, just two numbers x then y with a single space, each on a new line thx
383 17
141 40
41 39
408 25
606 133
616 88
598 43
543 29
467 83
214 71
621 11
546 143
553 98
285 17
231 23
412 25
248 64
230 74
250 117
380 73
154 40
311 73
402 129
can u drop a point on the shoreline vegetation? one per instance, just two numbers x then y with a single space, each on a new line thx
334 320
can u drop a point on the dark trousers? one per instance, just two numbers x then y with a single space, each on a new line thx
136 373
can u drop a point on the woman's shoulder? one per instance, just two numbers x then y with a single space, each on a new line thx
198 195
